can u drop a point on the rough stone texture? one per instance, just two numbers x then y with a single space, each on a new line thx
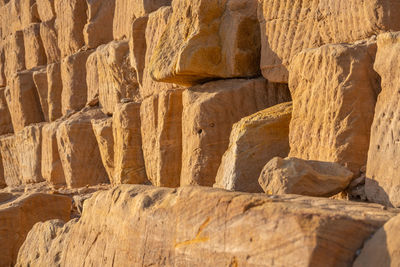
29 144
138 47
10 160
46 9
52 169
383 181
14 54
99 27
74 88
35 54
40 80
23 100
79 152
54 90
195 47
128 154
254 141
161 121
382 249
11 18
302 177
334 90
18 217
49 38
2 181
70 21
92 77
29 13
103 131
3 80
290 26
117 79
5 117
233 229
209 111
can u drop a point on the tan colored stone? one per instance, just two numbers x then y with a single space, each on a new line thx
382 249
14 54
35 54
138 47
74 88
117 79
5 117
302 177
29 144
54 85
290 26
103 131
92 76
46 9
52 169
161 125
40 79
48 35
209 227
3 80
195 45
70 21
23 101
383 181
334 90
3 183
11 18
10 160
128 154
18 217
209 111
28 13
254 141
79 152
99 27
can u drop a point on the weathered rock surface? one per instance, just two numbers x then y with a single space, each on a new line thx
254 141
194 47
49 38
302 177
5 117
209 111
138 47
382 249
54 91
35 53
233 228
161 127
14 54
334 90
92 77
79 151
40 80
383 181
128 154
103 131
10 160
18 217
46 9
288 27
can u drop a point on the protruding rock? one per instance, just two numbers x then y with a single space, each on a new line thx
138 47
14 54
99 27
49 39
10 159
92 76
79 152
46 9
195 46
40 79
104 134
209 111
74 88
52 169
383 180
161 120
35 54
290 26
19 216
54 88
5 117
215 228
254 141
334 90
128 154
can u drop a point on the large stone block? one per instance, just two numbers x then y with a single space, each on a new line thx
334 90
5 117
74 88
128 154
3 80
290 26
48 35
29 13
209 111
35 54
103 131
161 123
99 27
254 141
46 9
18 216
92 76
207 227
11 18
196 46
14 54
52 169
383 183
10 160
79 152
40 79
70 20
138 47
54 90
23 101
